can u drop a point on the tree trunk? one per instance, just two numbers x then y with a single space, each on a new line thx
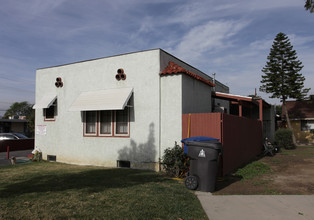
288 121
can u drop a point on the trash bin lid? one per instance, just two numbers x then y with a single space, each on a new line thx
206 144
200 139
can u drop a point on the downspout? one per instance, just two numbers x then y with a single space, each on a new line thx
189 126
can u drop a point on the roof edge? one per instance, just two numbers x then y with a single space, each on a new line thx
83 61
174 68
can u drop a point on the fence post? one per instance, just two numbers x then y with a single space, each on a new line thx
8 152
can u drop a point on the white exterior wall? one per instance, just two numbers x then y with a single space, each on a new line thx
180 94
170 105
171 111
155 118
65 137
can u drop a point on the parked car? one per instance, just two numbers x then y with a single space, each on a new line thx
12 136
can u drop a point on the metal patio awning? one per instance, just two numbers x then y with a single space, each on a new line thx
109 99
46 101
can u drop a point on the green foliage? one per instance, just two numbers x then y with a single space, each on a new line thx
31 123
309 5
23 109
175 161
252 170
19 109
281 73
283 139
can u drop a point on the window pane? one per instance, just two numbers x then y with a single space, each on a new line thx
122 120
311 124
105 122
307 125
50 112
90 122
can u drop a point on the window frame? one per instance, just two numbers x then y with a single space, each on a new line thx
85 124
113 125
128 124
54 107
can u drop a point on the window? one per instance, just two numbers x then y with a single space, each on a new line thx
307 125
107 123
122 122
90 123
50 112
105 119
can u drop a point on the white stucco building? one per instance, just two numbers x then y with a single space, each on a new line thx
122 110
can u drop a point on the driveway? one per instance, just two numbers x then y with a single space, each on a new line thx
21 156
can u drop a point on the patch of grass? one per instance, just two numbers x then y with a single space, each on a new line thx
253 170
53 190
285 152
271 192
304 151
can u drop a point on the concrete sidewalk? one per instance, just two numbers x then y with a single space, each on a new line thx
258 207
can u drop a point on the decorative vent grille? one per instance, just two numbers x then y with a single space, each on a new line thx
120 74
52 158
59 82
123 163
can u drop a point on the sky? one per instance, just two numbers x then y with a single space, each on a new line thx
231 38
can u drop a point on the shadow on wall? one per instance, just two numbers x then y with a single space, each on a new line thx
145 152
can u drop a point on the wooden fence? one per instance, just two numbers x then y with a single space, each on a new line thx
241 137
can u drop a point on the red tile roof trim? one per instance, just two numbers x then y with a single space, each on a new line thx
173 68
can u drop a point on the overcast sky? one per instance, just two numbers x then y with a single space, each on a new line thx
230 38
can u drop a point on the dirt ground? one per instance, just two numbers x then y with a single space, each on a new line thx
292 173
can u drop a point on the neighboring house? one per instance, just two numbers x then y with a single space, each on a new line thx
301 114
122 110
13 125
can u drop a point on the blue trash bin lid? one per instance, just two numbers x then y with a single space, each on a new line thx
199 138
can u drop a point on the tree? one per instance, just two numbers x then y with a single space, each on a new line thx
18 109
309 5
23 109
281 74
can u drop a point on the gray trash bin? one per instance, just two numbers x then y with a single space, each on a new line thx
203 165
